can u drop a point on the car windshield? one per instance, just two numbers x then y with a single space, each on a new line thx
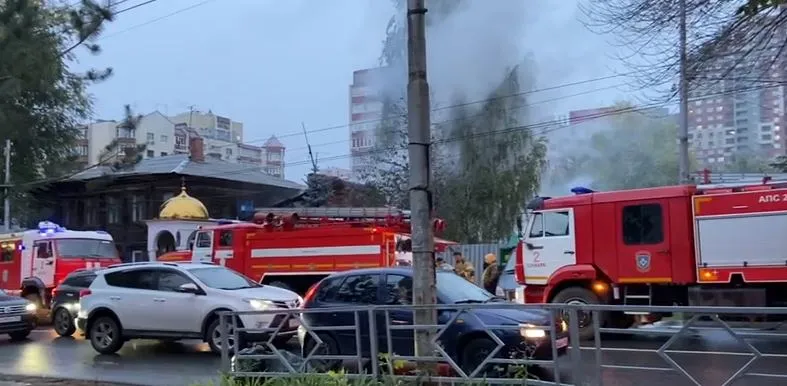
455 289
86 248
222 278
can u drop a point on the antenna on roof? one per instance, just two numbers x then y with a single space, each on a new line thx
315 169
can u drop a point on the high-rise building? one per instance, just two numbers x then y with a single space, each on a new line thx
740 113
366 107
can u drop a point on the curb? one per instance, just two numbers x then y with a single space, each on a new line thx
25 380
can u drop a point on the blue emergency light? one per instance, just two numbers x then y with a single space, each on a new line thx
581 190
48 228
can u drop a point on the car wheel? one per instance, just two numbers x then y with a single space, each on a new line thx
19 335
105 335
63 322
214 337
329 347
474 353
580 296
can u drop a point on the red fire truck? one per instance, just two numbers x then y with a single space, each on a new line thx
35 261
685 245
295 248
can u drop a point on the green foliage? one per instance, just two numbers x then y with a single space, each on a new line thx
42 101
636 150
780 164
488 166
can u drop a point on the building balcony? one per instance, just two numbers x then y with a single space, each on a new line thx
126 142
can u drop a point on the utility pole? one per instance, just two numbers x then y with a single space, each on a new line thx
418 122
7 198
683 131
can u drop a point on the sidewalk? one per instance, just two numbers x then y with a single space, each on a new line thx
17 380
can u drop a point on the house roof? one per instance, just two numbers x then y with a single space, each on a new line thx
273 142
181 164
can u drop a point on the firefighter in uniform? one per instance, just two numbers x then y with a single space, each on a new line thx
491 272
463 268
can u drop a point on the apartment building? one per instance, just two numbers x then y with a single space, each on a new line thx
103 141
366 109
741 115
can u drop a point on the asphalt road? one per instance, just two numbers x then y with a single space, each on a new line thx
153 363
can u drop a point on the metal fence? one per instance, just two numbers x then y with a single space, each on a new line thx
368 336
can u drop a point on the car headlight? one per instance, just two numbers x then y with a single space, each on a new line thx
73 307
31 307
532 332
259 304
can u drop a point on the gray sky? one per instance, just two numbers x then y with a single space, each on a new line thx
272 64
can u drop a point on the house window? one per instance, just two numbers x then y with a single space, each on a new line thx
113 210
137 208
82 150
90 212
180 141
274 156
151 139
163 153
228 153
151 153
164 139
643 224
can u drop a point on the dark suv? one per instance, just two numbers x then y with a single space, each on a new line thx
466 340
65 300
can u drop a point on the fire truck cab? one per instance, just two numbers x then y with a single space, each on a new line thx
685 245
34 261
296 248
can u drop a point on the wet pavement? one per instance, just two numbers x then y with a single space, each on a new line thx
139 362
172 364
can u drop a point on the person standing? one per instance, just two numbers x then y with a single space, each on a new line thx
491 272
463 268
440 264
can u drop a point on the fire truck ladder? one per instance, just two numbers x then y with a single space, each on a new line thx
638 296
343 213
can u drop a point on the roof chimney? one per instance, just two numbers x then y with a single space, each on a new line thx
196 149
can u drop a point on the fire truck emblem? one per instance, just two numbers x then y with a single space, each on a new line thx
643 261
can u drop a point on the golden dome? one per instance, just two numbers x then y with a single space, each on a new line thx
183 207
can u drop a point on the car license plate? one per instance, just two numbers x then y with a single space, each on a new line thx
10 319
562 342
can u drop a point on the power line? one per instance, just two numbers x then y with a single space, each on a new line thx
546 126
179 11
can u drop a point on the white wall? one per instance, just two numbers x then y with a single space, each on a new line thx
158 132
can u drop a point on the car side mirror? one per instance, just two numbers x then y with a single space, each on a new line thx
189 288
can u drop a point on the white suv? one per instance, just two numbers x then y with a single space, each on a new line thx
172 301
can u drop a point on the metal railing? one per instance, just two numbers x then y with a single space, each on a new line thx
367 337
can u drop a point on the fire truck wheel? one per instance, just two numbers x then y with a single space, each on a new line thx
580 296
